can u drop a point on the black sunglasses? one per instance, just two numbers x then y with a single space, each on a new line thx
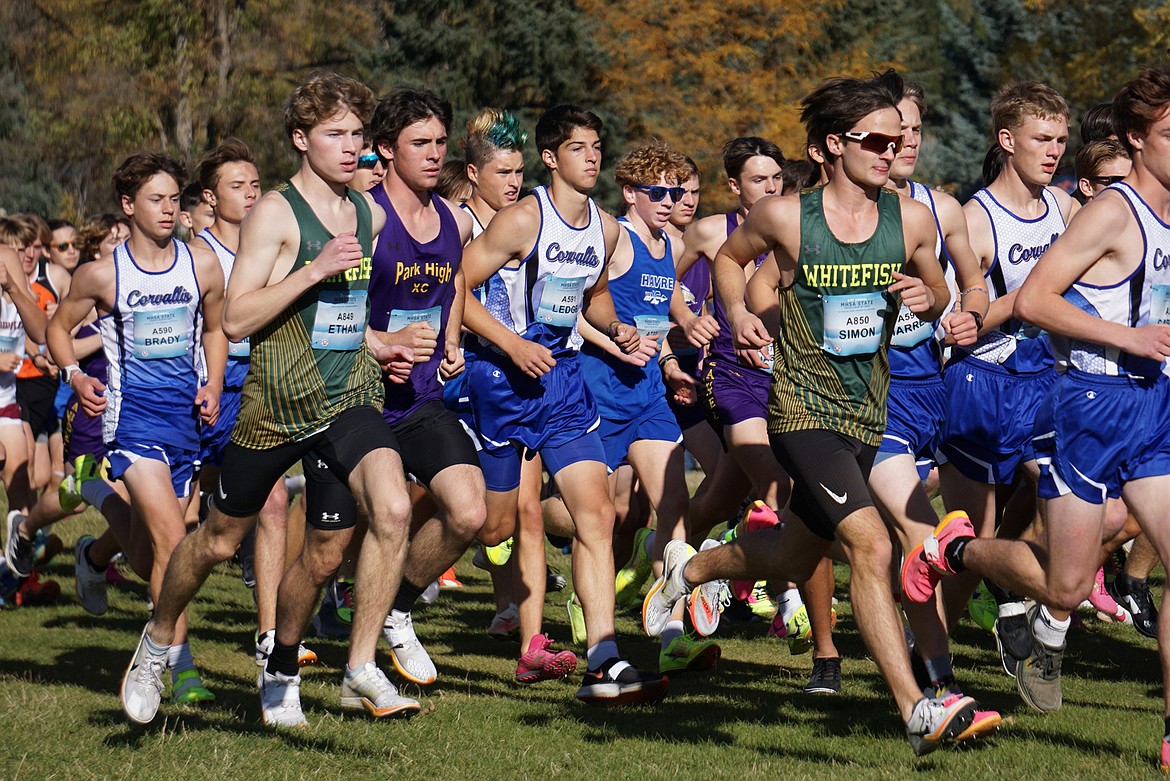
656 192
1107 180
367 161
64 245
877 143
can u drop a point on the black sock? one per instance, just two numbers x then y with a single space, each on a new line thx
89 559
408 594
283 659
954 553
1001 595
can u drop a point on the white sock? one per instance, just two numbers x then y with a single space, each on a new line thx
673 629
788 603
602 653
1049 630
179 659
95 493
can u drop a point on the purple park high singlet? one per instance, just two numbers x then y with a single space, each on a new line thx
413 282
723 346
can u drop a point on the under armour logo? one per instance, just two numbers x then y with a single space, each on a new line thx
326 517
310 246
812 249
321 464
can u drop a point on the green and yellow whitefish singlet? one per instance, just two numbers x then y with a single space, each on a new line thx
311 362
837 320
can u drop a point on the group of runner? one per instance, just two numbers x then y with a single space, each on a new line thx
428 358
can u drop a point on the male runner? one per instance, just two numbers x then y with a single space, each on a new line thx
843 259
526 389
298 290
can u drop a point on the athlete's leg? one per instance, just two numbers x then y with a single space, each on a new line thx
583 487
268 559
16 477
748 445
459 492
661 471
300 588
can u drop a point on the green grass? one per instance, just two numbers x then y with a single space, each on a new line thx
60 669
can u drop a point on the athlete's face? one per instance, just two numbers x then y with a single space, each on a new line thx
63 250
684 211
332 147
417 157
1035 147
903 166
1154 148
118 234
760 177
31 254
1090 187
498 182
367 176
655 214
235 192
863 166
155 207
578 159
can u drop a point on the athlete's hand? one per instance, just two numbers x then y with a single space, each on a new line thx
419 337
452 363
10 362
644 352
6 281
396 361
961 327
531 358
700 330
340 253
207 400
1150 341
681 384
915 294
626 337
90 393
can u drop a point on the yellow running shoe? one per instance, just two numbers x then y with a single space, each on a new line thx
686 654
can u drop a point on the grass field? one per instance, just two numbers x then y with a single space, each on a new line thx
60 669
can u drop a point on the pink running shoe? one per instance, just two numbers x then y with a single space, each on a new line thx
542 663
758 516
1165 757
926 565
984 722
1107 607
115 577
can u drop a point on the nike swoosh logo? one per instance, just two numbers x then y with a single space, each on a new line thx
838 498
222 493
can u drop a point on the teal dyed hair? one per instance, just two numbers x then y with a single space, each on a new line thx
490 131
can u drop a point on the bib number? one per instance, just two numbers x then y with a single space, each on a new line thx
560 301
1160 305
854 323
162 333
341 320
241 349
910 330
400 318
652 325
12 344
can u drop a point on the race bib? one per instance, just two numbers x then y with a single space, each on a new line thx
12 344
1159 306
854 323
162 333
560 301
910 330
652 325
241 349
768 355
400 318
341 320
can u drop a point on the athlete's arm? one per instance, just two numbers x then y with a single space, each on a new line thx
15 284
452 363
1069 206
259 288
210 276
396 360
982 236
699 329
961 326
924 289
599 310
1104 233
93 284
760 294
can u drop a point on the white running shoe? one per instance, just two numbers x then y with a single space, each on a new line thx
142 685
430 594
89 584
706 605
371 691
410 658
668 589
505 624
280 700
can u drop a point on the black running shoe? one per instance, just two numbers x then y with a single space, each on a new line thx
826 676
1013 636
630 686
1134 597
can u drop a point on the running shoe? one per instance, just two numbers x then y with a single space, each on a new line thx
188 689
826 676
85 468
246 556
629 579
934 722
758 516
1165 760
760 603
335 616
618 682
1105 605
342 589
264 643
982 608
499 554
114 575
798 632
142 685
553 580
430 594
576 620
506 624
541 662
449 579
17 550
926 564
410 658
668 589
1038 676
686 654
369 690
1013 635
89 584
46 545
1139 604
983 722
34 591
280 700
706 605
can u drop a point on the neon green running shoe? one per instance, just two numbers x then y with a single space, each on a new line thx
499 554
630 578
982 608
576 620
760 603
799 632
686 654
188 689
85 468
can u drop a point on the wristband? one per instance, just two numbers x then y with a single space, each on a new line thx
982 290
71 371
978 319
669 357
